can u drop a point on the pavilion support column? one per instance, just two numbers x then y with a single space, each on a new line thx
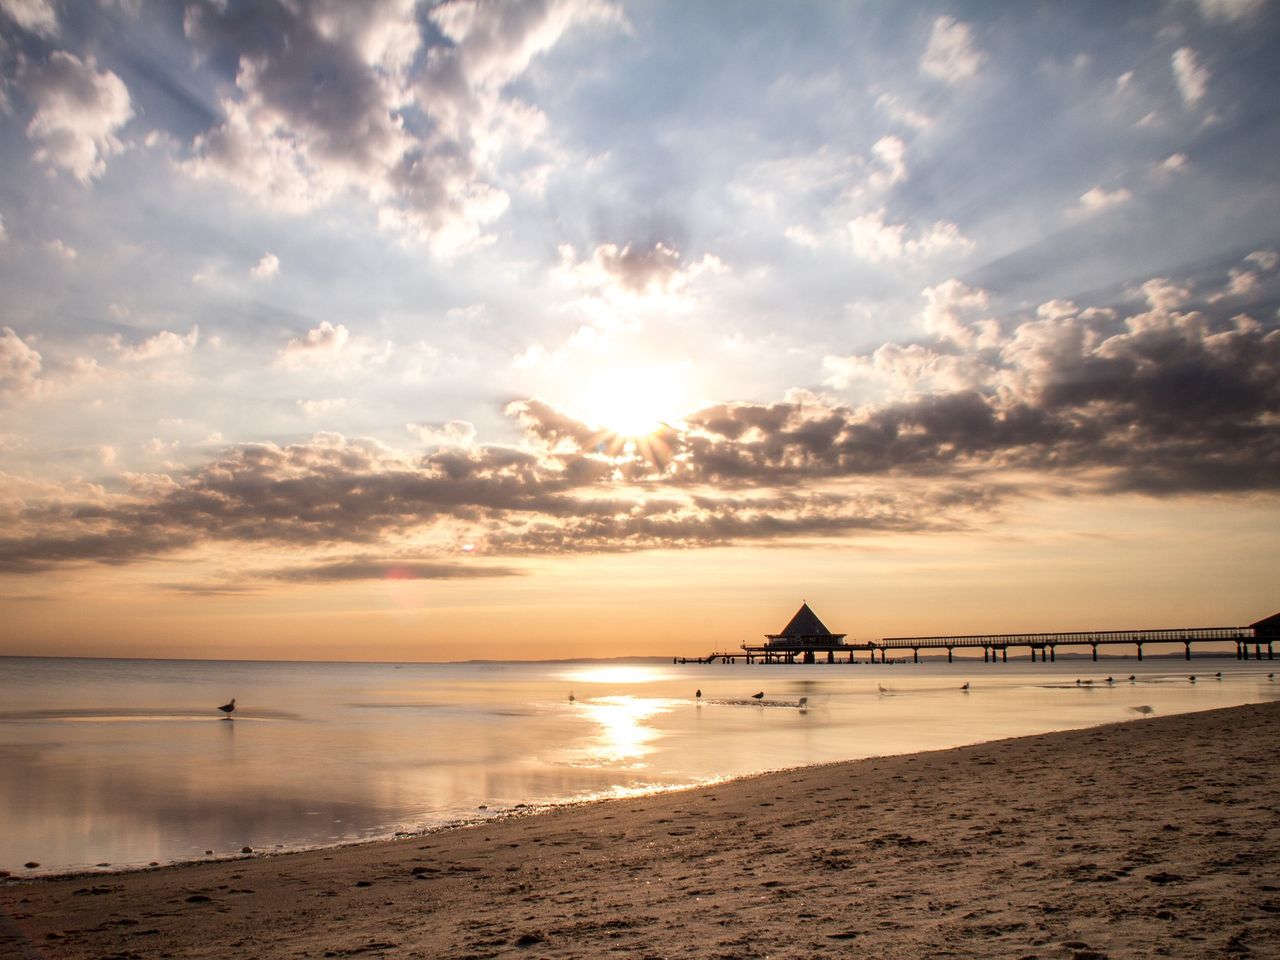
1053 654
1139 653
948 654
1004 654
984 654
1257 651
915 654
1187 644
1095 653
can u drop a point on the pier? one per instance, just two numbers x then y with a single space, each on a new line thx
806 640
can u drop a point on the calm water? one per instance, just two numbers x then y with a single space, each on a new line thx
128 761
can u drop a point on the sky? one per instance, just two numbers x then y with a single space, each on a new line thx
439 331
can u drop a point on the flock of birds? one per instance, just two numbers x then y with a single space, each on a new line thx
229 708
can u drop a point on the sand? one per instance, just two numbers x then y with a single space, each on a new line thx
1159 837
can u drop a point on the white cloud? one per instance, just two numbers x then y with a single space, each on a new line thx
1174 163
316 408
951 55
896 110
78 112
37 16
60 249
455 433
332 347
875 240
19 364
1266 259
1192 77
1235 10
1163 295
891 158
947 305
802 236
1096 199
438 182
163 344
3 235
267 267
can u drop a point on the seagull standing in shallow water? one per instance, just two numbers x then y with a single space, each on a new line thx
758 696
228 708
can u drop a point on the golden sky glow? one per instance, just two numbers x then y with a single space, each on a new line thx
564 329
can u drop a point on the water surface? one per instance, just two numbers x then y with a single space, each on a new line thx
126 762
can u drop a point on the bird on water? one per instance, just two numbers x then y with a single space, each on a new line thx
965 688
228 708
758 696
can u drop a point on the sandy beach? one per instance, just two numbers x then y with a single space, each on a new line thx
1159 837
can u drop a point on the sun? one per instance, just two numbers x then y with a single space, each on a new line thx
633 402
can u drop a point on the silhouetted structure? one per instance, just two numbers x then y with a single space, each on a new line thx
806 636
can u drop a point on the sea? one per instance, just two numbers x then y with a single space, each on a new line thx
119 764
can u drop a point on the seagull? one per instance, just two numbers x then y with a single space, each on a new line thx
571 697
804 702
758 696
227 708
1145 710
1218 675
965 688
698 693
1110 680
1192 678
1271 676
1132 678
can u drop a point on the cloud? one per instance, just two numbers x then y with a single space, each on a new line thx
877 241
455 433
20 365
61 250
1096 199
1266 259
898 111
1192 77
331 346
36 16
317 408
365 568
3 235
1156 397
332 100
1174 163
163 344
1229 10
78 113
951 55
266 268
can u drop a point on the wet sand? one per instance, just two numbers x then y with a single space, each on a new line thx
1159 837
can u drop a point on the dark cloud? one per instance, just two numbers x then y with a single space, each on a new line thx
1165 401
371 569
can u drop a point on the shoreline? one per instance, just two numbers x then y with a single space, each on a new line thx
1151 837
8 875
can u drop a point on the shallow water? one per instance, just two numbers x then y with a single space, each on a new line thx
126 762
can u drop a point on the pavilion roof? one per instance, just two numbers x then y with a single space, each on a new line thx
804 624
1269 624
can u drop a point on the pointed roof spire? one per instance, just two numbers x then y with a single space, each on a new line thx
805 625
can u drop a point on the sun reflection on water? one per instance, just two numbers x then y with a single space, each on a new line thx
623 736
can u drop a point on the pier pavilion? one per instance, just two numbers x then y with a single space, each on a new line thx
806 637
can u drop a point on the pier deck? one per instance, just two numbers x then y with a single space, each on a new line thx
1043 644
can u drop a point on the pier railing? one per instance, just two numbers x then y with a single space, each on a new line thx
1045 644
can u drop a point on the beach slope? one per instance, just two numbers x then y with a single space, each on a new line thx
1159 837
